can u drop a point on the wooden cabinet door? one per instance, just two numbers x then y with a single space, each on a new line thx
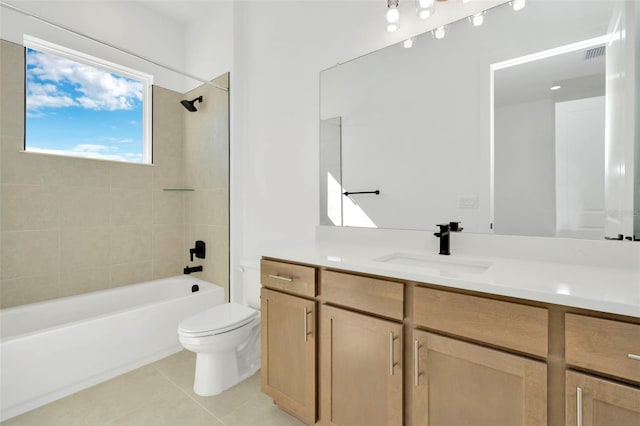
595 402
289 353
459 383
360 369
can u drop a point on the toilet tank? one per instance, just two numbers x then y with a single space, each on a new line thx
250 284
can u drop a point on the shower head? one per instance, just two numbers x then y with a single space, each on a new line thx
190 105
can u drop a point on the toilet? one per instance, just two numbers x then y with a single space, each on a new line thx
226 339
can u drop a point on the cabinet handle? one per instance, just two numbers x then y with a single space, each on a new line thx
281 278
416 363
579 406
306 324
634 356
392 361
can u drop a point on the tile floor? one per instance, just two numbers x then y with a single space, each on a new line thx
160 394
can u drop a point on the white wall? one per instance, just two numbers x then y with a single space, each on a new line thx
123 24
209 42
525 169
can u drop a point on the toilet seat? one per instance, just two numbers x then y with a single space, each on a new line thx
217 320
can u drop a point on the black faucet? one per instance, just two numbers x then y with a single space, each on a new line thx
444 238
444 235
190 269
199 250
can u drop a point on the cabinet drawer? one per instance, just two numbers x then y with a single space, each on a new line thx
510 325
373 295
295 279
610 347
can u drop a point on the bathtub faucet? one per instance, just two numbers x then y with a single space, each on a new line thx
190 269
199 250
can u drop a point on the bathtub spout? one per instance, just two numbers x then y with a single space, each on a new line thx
190 269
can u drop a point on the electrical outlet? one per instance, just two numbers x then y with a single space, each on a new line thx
468 202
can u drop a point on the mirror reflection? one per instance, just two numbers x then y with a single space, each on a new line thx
530 134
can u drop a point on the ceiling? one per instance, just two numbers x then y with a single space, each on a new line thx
184 12
533 80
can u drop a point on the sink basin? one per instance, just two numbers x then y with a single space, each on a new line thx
445 266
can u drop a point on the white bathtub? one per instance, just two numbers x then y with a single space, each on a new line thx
52 349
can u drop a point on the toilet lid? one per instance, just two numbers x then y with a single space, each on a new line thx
216 320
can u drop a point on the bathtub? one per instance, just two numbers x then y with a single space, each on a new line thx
52 349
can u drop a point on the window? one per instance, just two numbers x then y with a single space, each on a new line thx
78 105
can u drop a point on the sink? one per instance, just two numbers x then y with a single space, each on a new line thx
445 266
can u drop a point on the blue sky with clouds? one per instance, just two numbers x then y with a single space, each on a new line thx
80 110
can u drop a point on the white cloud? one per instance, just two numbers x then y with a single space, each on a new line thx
46 95
100 90
86 147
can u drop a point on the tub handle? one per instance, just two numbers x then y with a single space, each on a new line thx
281 278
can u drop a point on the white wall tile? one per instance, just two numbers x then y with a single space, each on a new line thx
83 206
84 248
168 242
29 253
131 243
29 207
84 281
84 172
20 291
124 175
130 206
131 273
28 168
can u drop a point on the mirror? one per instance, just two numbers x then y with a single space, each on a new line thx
468 128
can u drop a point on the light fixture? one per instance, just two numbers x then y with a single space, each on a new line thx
477 19
425 8
518 4
555 87
408 43
393 16
440 32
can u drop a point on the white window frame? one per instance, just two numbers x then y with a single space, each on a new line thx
146 80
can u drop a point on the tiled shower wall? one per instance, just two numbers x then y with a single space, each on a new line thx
206 159
70 225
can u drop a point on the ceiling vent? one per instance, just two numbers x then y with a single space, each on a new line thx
595 52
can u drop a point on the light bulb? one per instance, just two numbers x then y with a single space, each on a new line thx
424 14
408 43
477 19
518 4
556 87
424 8
439 33
392 28
392 15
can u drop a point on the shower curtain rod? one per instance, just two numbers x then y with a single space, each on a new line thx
109 45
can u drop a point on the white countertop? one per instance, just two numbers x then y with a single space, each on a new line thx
605 289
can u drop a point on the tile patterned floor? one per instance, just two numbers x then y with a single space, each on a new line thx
160 394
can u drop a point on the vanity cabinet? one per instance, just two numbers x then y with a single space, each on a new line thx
361 356
602 346
288 338
514 326
592 401
347 348
360 369
459 383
